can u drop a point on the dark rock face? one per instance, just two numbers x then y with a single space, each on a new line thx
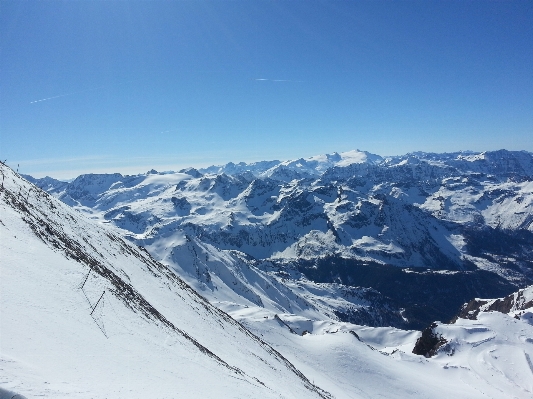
182 206
429 343
191 172
514 302
470 310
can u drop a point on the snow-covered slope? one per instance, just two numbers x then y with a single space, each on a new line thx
85 314
492 338
486 358
466 216
150 335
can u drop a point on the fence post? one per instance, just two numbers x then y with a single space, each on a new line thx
101 296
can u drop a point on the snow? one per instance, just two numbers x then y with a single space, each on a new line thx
368 243
490 358
165 180
51 345
267 217
59 341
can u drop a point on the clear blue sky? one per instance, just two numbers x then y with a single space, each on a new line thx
92 86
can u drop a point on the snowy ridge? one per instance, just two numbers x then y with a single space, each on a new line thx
485 358
312 166
229 279
491 337
71 286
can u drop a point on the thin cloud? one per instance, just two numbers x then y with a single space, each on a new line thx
50 98
67 94
170 131
79 91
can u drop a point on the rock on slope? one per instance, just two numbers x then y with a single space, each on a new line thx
518 304
485 358
86 314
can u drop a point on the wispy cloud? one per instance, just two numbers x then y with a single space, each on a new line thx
50 98
67 94
170 131
82 91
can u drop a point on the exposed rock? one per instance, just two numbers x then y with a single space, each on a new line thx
429 343
513 304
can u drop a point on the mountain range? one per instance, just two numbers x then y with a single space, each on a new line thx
91 308
422 233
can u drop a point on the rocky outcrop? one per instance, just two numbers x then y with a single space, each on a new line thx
514 304
430 342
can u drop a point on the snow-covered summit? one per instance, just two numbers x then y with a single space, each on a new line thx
297 168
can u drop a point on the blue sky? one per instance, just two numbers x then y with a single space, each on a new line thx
105 86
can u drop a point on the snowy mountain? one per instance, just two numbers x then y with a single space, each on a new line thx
313 166
446 226
87 314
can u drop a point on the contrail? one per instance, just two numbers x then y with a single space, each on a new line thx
67 94
50 98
